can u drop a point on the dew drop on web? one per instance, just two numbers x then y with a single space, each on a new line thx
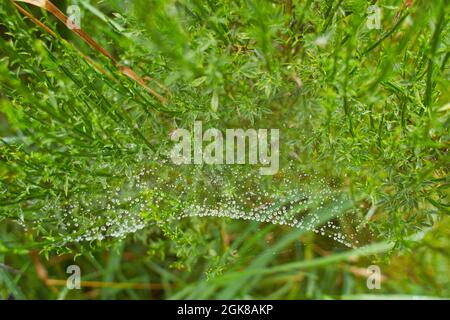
289 200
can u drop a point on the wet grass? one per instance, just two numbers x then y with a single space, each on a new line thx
365 110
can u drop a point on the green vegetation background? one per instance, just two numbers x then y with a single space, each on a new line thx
366 108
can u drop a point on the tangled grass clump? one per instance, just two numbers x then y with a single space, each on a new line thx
86 117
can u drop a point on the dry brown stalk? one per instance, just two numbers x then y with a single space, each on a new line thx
50 7
42 274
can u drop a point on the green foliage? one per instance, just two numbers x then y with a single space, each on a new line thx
365 110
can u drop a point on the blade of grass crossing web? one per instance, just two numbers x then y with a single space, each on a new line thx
245 283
